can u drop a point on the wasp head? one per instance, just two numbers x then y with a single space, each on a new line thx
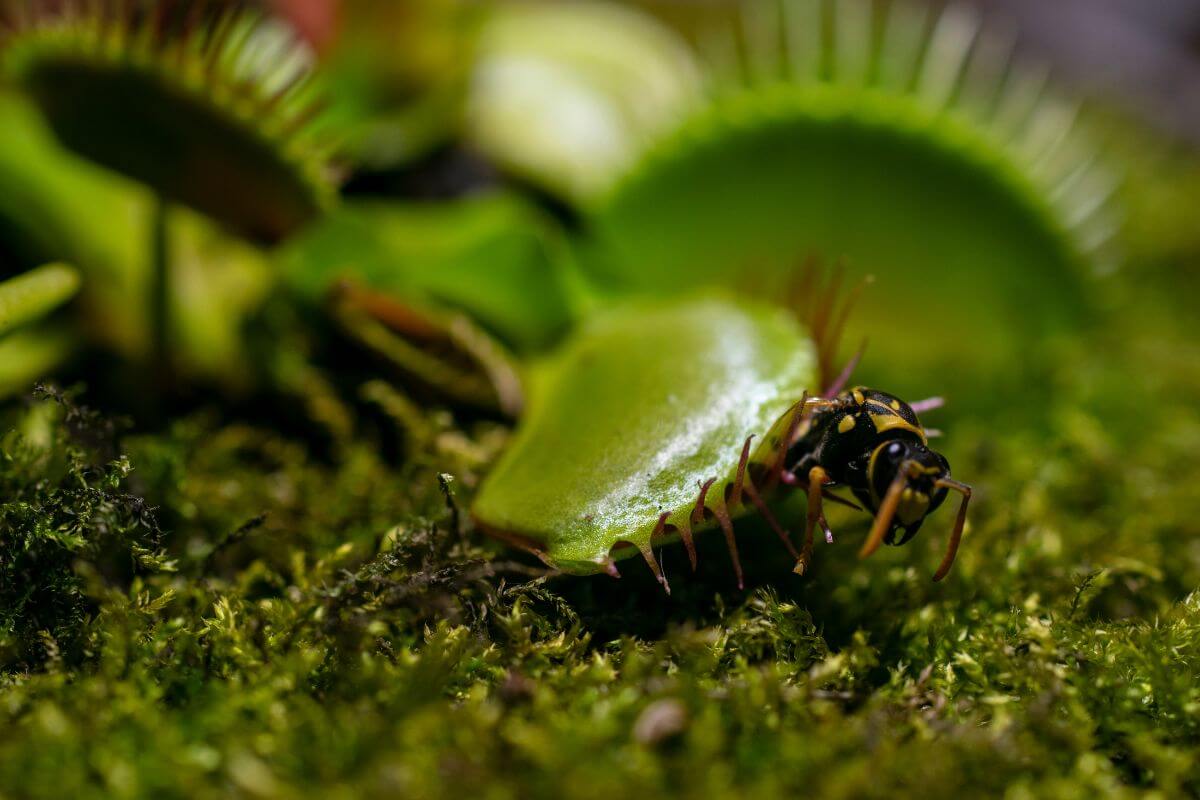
916 471
907 481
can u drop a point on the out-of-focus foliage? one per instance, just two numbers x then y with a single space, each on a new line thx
398 75
492 256
58 207
29 296
566 95
910 142
219 114
26 355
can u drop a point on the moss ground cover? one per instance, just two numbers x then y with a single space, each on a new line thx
220 608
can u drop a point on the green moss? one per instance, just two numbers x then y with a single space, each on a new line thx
331 629
68 531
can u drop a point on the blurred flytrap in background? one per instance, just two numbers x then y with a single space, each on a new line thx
911 143
916 144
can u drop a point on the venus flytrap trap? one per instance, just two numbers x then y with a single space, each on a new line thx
51 211
453 295
918 146
632 438
915 144
216 110
642 407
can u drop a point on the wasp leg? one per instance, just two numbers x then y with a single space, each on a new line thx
812 404
817 478
959 523
825 527
887 510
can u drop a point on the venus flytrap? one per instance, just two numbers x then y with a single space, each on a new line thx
213 110
915 144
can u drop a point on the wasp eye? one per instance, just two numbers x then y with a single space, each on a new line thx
895 450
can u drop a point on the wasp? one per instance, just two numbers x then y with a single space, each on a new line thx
873 444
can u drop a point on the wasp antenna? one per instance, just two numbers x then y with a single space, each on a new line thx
735 499
959 523
757 500
887 510
648 554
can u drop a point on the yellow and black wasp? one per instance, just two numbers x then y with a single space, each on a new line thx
873 443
